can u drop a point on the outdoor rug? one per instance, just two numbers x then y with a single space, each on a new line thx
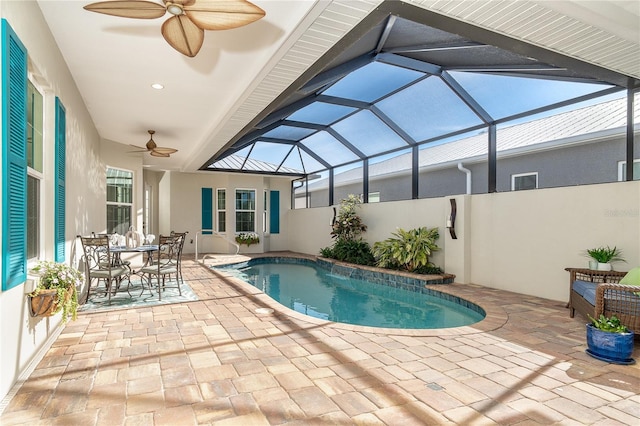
99 302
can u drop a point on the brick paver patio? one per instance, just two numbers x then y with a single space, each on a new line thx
219 361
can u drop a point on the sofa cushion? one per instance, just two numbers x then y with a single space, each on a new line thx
590 295
580 286
585 289
632 277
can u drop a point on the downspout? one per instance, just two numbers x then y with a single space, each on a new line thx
468 173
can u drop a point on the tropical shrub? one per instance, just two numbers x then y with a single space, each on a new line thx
429 269
348 225
358 252
407 250
347 232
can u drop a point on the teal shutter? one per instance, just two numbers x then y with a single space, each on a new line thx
207 209
61 138
274 212
14 159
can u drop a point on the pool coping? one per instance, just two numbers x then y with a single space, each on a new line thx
495 315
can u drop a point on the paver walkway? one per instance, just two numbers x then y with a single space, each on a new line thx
218 361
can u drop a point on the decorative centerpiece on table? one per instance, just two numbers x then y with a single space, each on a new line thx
56 290
247 238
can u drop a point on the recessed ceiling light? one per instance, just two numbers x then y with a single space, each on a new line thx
157 86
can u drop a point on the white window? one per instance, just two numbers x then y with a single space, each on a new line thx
523 181
622 170
245 210
35 119
119 200
374 197
221 208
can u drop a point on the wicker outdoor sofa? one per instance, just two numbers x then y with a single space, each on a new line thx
599 292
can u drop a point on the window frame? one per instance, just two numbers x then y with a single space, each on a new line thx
517 175
34 173
222 211
622 173
115 203
237 211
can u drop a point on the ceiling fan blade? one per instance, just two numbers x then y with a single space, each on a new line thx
159 154
182 2
223 14
140 9
183 35
141 149
163 150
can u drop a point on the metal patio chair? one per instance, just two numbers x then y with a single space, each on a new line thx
164 265
101 264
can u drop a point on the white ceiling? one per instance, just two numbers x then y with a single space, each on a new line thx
239 72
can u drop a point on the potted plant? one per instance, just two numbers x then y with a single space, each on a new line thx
609 340
56 290
247 238
604 256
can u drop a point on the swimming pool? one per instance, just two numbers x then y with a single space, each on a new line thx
312 289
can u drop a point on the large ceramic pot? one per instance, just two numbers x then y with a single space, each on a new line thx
616 348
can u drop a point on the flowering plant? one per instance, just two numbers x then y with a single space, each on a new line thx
62 278
247 238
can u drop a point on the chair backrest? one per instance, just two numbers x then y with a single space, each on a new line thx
169 247
183 236
97 254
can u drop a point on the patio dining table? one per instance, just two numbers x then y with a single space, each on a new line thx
147 248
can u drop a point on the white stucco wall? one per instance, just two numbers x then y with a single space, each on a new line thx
23 336
522 241
86 160
180 207
517 241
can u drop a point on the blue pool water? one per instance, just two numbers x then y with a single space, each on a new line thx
312 290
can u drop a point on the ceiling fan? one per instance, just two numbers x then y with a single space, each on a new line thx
184 30
153 149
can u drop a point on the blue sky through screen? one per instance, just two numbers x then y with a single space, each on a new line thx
427 108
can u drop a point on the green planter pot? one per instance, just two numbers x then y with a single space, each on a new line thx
616 348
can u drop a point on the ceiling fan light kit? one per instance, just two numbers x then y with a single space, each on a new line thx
184 30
